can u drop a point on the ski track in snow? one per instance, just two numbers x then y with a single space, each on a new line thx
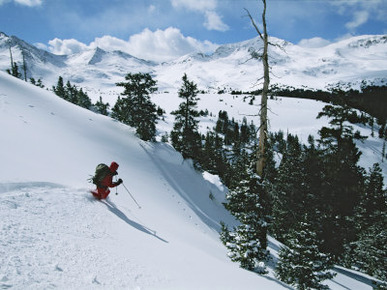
170 181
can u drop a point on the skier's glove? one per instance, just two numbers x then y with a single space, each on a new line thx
119 181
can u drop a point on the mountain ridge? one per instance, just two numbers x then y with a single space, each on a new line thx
233 66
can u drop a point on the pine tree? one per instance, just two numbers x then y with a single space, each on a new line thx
314 202
14 71
39 83
208 161
185 136
343 178
70 93
373 201
244 132
247 243
368 252
136 108
59 89
102 107
83 99
238 163
289 190
213 157
301 264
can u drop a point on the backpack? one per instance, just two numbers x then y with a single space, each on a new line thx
101 171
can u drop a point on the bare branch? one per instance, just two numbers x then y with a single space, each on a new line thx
253 23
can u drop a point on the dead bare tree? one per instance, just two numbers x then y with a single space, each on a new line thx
266 81
24 66
10 54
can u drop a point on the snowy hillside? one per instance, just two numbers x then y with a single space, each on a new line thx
53 234
230 66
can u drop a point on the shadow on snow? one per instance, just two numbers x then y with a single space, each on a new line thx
113 208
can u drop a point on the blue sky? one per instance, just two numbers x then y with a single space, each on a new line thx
162 29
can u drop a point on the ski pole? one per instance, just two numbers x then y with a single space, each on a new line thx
131 195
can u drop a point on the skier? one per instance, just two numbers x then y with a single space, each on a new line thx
105 180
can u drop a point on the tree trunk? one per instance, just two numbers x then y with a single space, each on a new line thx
261 160
24 67
10 55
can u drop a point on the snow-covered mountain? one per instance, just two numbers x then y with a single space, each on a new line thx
231 66
53 234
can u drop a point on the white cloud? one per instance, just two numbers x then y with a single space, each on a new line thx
160 45
163 45
29 3
66 46
152 8
213 21
315 42
110 43
41 46
360 17
361 11
195 5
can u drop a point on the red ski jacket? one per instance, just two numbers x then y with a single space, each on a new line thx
108 180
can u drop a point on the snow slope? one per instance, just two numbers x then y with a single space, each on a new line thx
53 234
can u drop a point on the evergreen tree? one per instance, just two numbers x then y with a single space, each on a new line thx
244 132
83 99
223 126
213 157
314 201
136 108
369 252
238 163
14 71
59 89
247 243
70 93
102 107
289 190
120 111
340 131
374 200
343 178
301 264
37 83
185 136
208 161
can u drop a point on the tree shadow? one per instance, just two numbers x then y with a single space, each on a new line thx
368 280
113 208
